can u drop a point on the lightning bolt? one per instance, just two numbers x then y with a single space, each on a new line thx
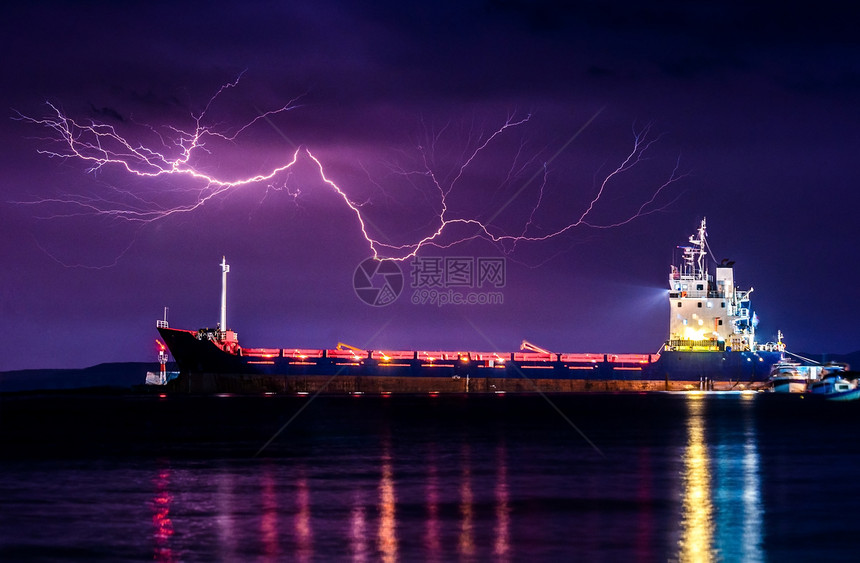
175 151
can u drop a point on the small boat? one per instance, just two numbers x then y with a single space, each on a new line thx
161 377
792 377
833 386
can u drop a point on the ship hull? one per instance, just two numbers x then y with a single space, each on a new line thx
206 368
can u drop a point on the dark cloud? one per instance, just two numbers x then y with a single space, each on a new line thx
106 113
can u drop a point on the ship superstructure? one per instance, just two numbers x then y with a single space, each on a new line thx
708 312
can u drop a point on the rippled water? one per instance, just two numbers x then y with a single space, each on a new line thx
595 477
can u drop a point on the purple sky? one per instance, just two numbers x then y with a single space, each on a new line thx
760 103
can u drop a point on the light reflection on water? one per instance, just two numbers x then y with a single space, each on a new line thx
466 545
719 512
503 510
269 519
224 518
737 490
431 537
751 538
722 514
304 531
358 527
162 524
682 480
697 518
387 507
284 510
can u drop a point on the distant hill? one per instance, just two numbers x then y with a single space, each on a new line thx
121 375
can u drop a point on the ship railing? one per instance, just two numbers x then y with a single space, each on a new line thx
533 357
346 354
302 353
494 357
490 356
436 355
697 345
632 358
261 352
161 324
582 358
611 358
392 355
431 356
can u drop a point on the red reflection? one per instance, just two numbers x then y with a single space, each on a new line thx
431 539
304 533
269 522
502 546
162 525
466 545
358 528
224 518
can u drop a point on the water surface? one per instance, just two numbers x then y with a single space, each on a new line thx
596 477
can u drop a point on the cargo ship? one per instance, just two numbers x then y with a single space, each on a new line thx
711 346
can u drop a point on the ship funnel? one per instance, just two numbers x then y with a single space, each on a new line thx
224 269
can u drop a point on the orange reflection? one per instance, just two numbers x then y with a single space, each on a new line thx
162 525
697 520
466 545
387 538
501 547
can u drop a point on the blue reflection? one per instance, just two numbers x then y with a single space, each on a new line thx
737 492
721 495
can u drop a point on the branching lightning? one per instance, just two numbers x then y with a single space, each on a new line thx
177 152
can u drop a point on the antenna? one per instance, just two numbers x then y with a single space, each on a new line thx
163 323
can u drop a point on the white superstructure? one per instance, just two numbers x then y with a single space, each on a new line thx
708 312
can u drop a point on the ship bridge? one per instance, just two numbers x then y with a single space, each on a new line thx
707 312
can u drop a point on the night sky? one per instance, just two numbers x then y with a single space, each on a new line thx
756 104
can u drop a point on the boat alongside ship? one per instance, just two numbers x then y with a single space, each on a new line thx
792 377
833 381
711 346
833 386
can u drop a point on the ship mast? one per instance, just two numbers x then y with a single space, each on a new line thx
694 266
224 269
700 258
